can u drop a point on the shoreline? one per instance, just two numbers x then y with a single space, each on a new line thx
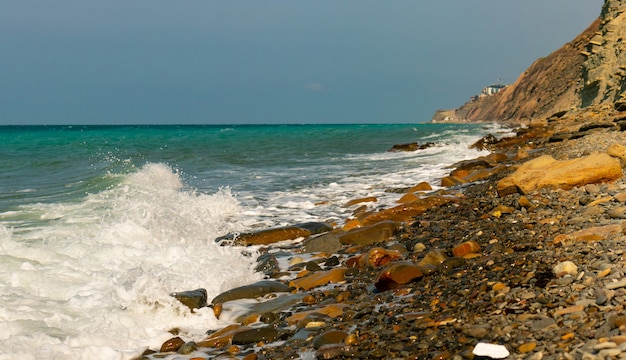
449 270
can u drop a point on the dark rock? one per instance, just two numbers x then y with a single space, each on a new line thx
252 336
410 147
193 299
258 289
267 264
486 143
327 243
593 126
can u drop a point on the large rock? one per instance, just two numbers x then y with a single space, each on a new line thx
251 291
270 236
545 171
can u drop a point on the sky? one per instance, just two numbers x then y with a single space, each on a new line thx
266 62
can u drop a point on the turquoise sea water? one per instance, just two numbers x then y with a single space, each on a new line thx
99 224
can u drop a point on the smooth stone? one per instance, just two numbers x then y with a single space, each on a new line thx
222 337
188 348
491 350
605 345
319 278
172 345
620 320
468 247
251 336
527 347
621 197
277 304
478 332
377 257
617 212
616 285
452 181
434 257
367 235
258 289
329 337
565 267
397 274
609 353
193 299
592 189
423 186
327 243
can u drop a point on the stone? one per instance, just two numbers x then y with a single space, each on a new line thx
372 234
617 212
492 351
546 172
326 243
410 147
396 274
618 151
222 337
329 337
434 257
193 299
595 233
406 212
330 310
565 268
255 335
527 347
172 345
319 278
251 291
188 348
360 201
423 186
377 257
467 247
270 236
452 181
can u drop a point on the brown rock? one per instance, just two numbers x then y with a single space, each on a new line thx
329 337
378 257
434 257
222 337
251 291
172 345
545 171
483 173
255 335
527 347
331 310
618 151
407 198
376 233
397 274
319 278
406 212
451 181
423 186
468 247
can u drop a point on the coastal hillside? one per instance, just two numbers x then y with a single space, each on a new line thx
589 71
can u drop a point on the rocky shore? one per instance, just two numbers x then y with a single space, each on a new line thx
487 267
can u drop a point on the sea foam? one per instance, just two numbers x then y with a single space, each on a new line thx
93 278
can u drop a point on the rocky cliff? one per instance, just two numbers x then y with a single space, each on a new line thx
589 71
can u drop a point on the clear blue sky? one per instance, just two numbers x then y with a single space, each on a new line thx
285 61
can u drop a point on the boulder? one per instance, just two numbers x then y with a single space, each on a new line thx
546 172
451 181
486 143
361 200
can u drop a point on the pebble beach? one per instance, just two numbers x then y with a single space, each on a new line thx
470 270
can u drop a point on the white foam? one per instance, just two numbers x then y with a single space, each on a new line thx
95 282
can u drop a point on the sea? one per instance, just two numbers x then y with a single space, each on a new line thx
99 225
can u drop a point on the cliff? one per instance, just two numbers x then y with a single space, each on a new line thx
589 71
